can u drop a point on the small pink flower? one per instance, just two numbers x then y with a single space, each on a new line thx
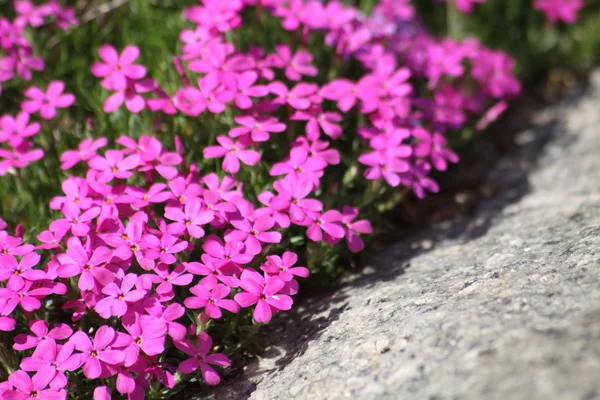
78 223
17 271
212 299
166 279
147 336
41 332
90 268
328 222
15 130
295 65
27 388
87 150
201 359
47 103
116 69
253 233
61 357
355 243
233 152
283 267
98 353
264 292
115 165
258 128
118 298
191 219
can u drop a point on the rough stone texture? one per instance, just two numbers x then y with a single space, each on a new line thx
503 304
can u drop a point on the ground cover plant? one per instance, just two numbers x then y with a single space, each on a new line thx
171 171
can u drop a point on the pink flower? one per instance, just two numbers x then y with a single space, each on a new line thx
283 267
301 166
317 120
13 245
355 243
233 152
34 388
90 268
163 248
78 223
201 359
214 271
118 298
152 195
328 222
295 65
40 329
147 335
61 357
17 271
115 165
190 219
231 251
556 10
24 295
87 150
299 97
253 233
264 292
244 87
258 128
116 69
131 96
292 196
168 315
47 103
212 299
434 146
166 279
98 353
15 130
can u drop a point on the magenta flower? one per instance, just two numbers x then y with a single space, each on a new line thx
189 101
98 353
434 146
355 243
212 299
34 388
233 152
190 219
61 357
245 88
258 128
231 251
557 10
13 245
319 120
214 271
166 279
328 222
215 94
117 69
30 14
147 336
47 103
283 267
16 271
295 65
87 150
90 268
15 130
184 191
300 97
41 332
163 248
154 194
74 220
13 295
292 196
253 233
115 165
264 292
118 298
301 166
131 96
201 359
168 315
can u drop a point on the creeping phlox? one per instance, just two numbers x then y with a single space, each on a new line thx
150 254
17 62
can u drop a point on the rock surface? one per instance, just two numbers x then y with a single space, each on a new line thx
503 304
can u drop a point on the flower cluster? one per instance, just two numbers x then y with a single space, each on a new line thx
554 10
156 252
17 60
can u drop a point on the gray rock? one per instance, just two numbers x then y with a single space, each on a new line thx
503 304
